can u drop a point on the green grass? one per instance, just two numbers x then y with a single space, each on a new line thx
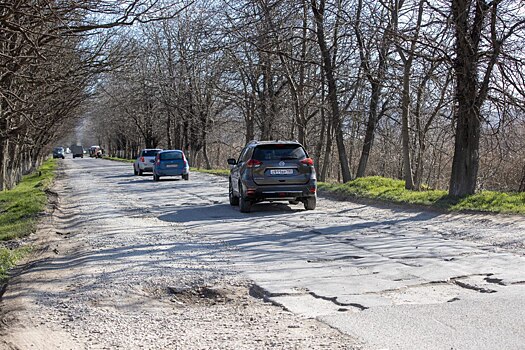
9 258
19 209
497 202
116 159
392 190
219 172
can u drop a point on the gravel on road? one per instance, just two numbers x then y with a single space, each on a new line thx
125 262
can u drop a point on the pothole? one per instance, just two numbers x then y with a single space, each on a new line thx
205 295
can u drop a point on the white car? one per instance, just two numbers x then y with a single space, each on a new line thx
145 160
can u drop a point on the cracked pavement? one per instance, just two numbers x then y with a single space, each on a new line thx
391 277
385 276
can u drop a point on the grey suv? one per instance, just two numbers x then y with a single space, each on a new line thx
272 171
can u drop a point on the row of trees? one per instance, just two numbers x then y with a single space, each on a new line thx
51 52
429 91
432 92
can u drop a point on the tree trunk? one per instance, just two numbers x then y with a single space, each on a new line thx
465 163
405 132
376 81
332 88
522 183
468 32
370 131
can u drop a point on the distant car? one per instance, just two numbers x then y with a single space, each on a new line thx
78 151
272 171
171 163
68 150
58 152
145 160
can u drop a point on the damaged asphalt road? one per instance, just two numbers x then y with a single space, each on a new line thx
129 256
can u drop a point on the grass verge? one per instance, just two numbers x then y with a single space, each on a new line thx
19 209
219 172
123 160
391 190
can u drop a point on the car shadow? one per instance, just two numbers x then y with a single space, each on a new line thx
226 212
121 176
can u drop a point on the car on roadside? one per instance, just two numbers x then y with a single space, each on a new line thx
58 152
171 163
145 160
95 152
272 171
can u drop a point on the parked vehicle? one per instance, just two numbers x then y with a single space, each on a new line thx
95 152
272 171
171 163
145 160
58 152
78 151
68 151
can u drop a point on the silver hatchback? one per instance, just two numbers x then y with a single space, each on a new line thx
145 160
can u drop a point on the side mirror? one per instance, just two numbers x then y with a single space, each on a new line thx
232 161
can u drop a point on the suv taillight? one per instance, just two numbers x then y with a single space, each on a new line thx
308 161
158 160
142 159
253 163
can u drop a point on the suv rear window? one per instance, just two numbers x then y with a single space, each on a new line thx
171 156
150 153
278 152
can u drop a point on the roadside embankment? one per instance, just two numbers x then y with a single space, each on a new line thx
19 210
393 191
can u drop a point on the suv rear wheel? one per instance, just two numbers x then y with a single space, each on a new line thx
234 200
245 204
310 203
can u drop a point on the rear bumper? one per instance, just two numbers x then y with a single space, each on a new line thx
145 167
282 192
171 172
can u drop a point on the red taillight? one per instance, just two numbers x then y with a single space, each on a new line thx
253 163
142 159
157 160
312 190
308 161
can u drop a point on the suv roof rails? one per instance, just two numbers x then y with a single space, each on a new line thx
272 141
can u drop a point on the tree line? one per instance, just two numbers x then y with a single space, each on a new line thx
428 91
51 53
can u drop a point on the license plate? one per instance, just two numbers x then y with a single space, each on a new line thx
172 166
281 171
